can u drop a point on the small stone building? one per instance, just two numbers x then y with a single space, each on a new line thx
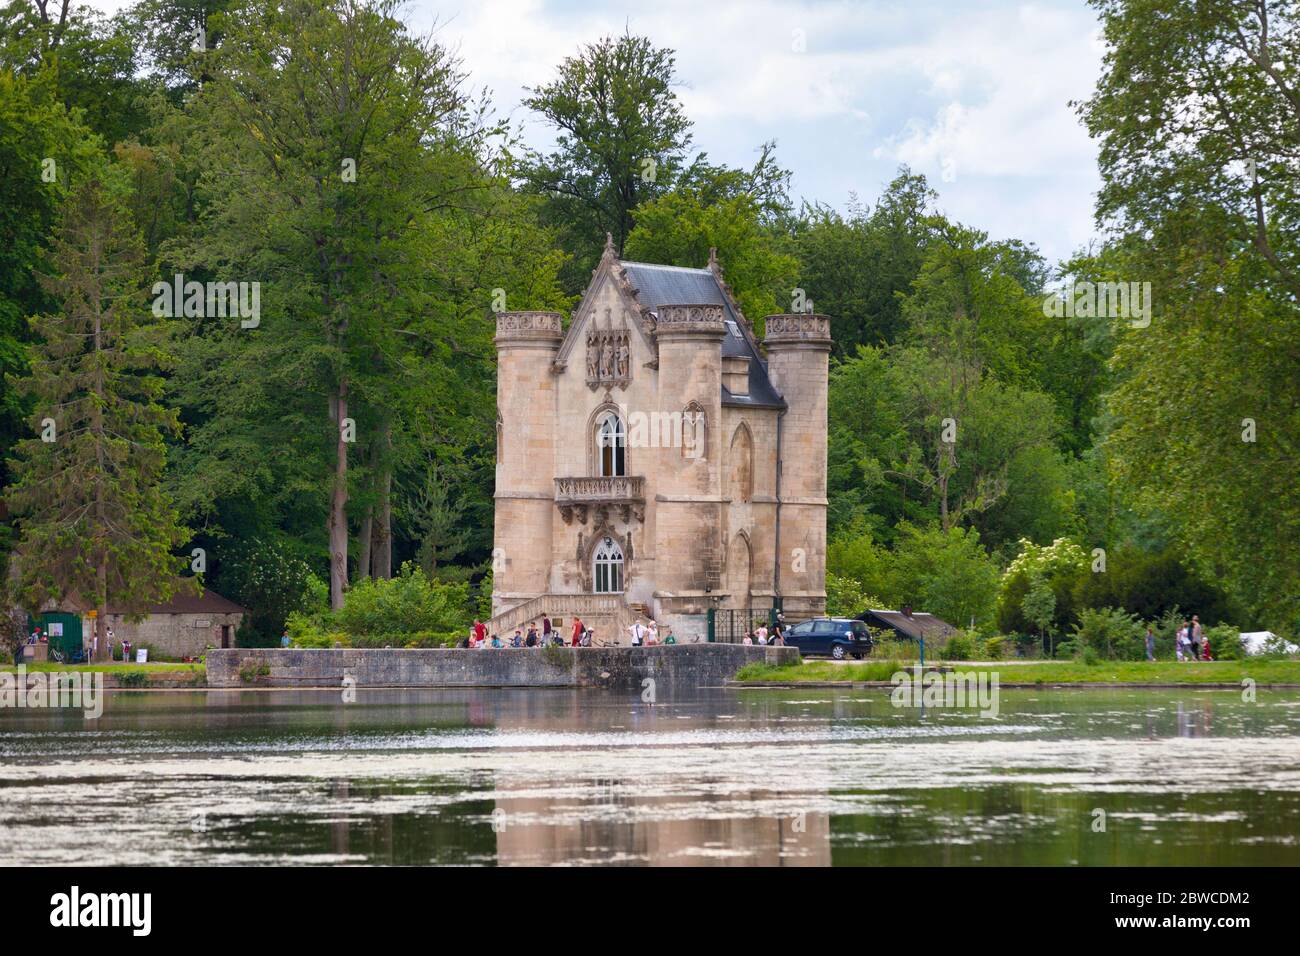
654 458
185 626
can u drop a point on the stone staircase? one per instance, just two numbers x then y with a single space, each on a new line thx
607 614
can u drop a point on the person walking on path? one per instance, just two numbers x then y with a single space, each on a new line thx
1195 633
578 628
1151 644
1184 641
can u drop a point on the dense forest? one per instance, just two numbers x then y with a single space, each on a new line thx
1005 450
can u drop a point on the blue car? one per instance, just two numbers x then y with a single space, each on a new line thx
837 637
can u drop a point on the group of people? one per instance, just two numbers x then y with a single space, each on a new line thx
642 634
647 634
547 635
1191 643
92 644
760 635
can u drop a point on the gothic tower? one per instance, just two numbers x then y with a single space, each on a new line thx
526 344
798 351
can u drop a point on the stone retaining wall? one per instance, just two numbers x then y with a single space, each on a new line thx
617 667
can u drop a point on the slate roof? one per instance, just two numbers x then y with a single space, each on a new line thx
658 285
209 602
915 626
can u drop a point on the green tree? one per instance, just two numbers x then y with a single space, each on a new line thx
93 519
327 172
945 572
43 149
1039 605
622 140
856 268
683 227
86 61
1197 113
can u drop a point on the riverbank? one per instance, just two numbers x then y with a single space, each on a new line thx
106 667
1276 673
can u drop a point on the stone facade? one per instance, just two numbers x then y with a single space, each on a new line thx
654 459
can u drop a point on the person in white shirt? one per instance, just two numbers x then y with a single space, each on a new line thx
652 637
638 633
760 635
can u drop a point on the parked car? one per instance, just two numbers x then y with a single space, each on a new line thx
837 637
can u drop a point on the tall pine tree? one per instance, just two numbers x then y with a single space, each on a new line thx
94 522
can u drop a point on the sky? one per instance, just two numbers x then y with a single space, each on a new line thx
974 94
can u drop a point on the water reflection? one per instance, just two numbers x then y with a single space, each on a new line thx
774 778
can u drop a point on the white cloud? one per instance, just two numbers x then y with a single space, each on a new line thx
979 87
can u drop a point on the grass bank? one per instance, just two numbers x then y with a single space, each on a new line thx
1044 672
50 667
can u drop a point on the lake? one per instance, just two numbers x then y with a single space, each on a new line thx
715 777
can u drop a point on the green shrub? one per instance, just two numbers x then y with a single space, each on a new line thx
401 639
1225 643
1066 650
409 603
250 670
133 679
272 581
1110 633
995 648
960 647
894 648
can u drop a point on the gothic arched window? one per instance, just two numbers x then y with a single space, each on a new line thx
607 567
611 446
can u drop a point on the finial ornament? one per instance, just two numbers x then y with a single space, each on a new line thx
713 258
609 245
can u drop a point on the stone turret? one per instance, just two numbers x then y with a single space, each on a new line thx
798 350
688 486
526 345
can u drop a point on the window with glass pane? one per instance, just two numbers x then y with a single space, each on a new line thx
608 568
611 446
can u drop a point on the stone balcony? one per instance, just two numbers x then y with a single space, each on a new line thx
576 496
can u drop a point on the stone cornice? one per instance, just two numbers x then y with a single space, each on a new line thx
799 330
690 320
529 329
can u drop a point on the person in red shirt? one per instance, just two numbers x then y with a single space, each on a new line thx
577 630
480 631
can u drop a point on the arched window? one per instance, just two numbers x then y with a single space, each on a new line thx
607 567
611 446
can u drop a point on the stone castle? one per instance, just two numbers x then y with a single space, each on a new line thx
653 460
